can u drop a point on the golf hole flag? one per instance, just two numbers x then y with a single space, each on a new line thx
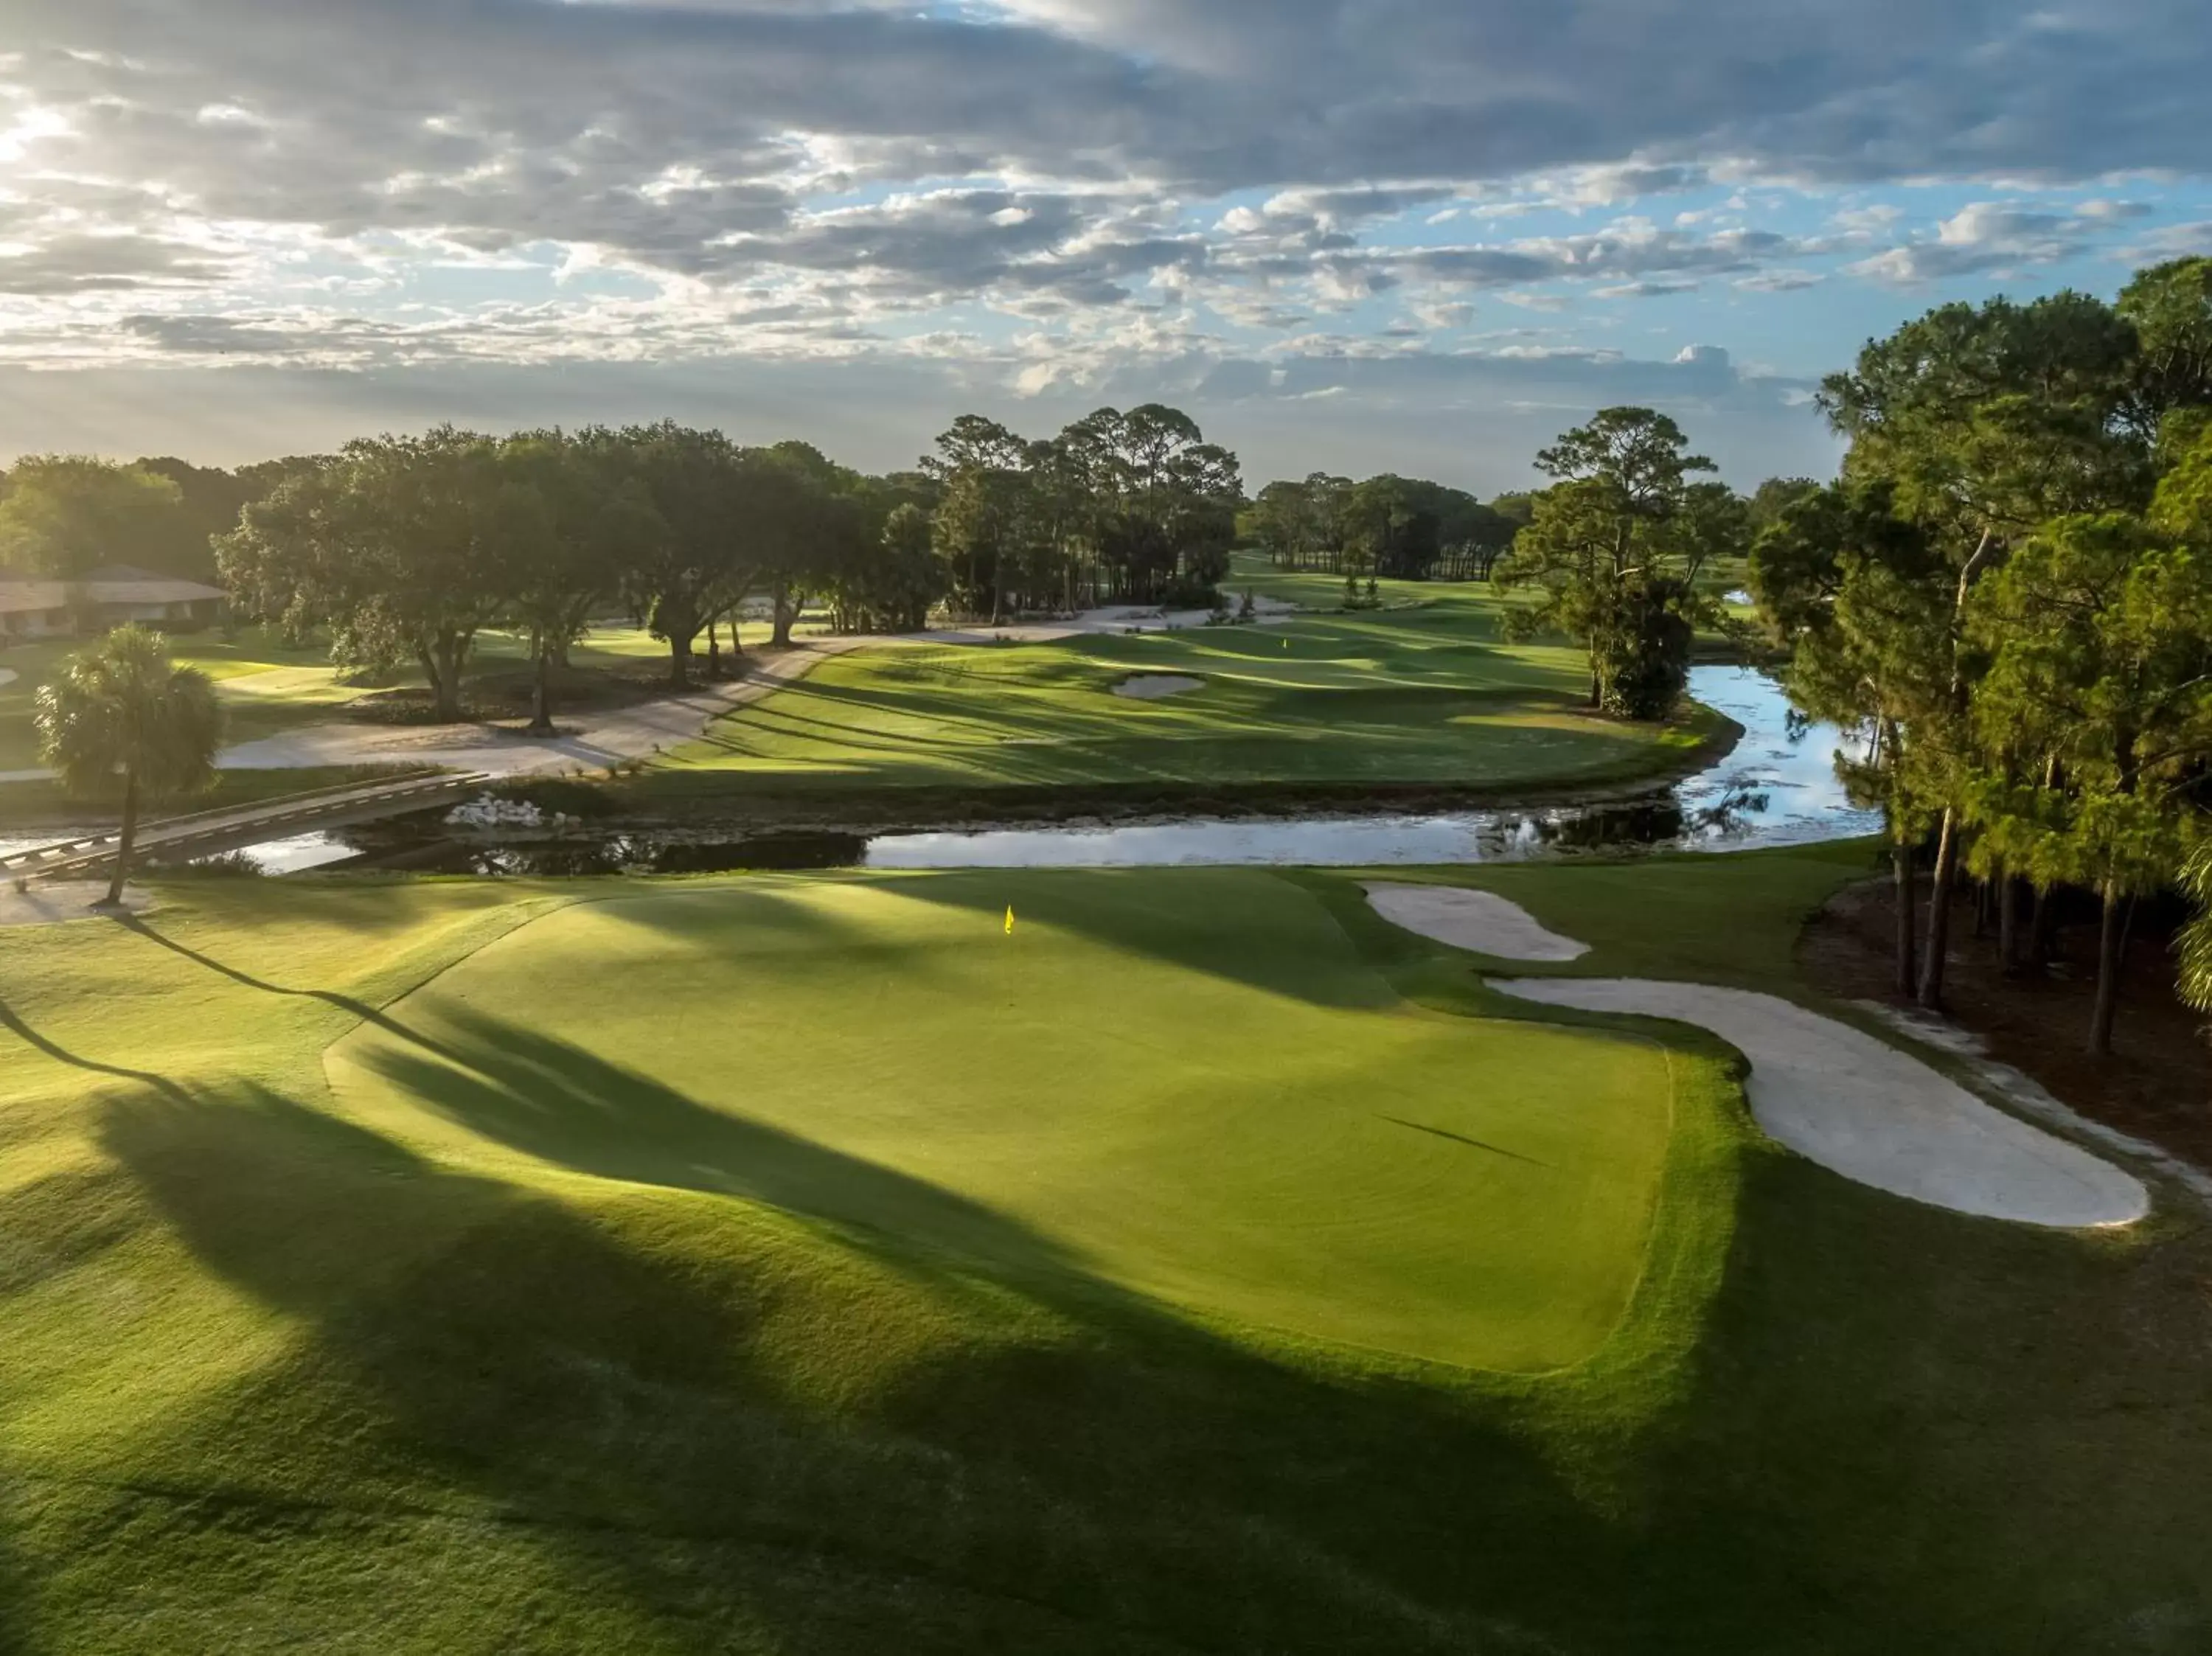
1010 920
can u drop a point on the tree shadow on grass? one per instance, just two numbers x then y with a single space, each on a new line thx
552 1100
1130 1483
18 1618
1884 1440
14 1023
1906 1429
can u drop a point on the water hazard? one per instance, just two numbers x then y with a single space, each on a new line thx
1778 787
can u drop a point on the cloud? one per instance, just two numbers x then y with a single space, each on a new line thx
2172 241
1608 186
1779 282
1999 237
1038 195
1471 416
78 264
520 119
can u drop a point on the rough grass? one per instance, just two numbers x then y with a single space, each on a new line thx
281 1375
1431 695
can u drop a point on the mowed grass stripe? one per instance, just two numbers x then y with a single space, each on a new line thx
1421 696
1186 1086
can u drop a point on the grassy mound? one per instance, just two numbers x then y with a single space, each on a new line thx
1184 1085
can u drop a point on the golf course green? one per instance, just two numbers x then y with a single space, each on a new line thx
1188 1086
810 1264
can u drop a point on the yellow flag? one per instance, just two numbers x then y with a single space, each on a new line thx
1010 920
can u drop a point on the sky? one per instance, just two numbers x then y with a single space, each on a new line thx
1422 236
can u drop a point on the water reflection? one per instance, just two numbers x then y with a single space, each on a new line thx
637 852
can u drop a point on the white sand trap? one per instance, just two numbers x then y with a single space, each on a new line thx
62 899
1871 1113
1151 687
1480 920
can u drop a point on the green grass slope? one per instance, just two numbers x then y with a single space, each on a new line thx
1432 696
1186 1085
406 1370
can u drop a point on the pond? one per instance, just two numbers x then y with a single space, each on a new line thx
1778 787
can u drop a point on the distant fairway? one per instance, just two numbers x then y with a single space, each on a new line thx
1428 697
1187 1086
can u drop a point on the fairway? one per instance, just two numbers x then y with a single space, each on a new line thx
1430 695
1185 1086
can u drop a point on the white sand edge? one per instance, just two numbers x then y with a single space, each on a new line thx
1151 687
1480 920
1862 1108
2030 1097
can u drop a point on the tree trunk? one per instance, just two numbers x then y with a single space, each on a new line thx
2111 953
1900 870
2008 891
541 694
713 650
2043 930
442 662
124 842
786 614
680 657
1939 912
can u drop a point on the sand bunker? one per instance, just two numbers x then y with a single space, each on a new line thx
62 899
1833 1094
1871 1113
1151 687
1480 920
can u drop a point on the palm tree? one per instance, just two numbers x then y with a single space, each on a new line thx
122 707
2195 940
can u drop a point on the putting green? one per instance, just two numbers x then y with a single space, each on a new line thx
1186 1086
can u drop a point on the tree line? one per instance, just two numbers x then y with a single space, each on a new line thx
64 515
2008 592
1401 528
405 548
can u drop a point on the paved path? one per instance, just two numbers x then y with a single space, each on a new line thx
592 743
596 741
